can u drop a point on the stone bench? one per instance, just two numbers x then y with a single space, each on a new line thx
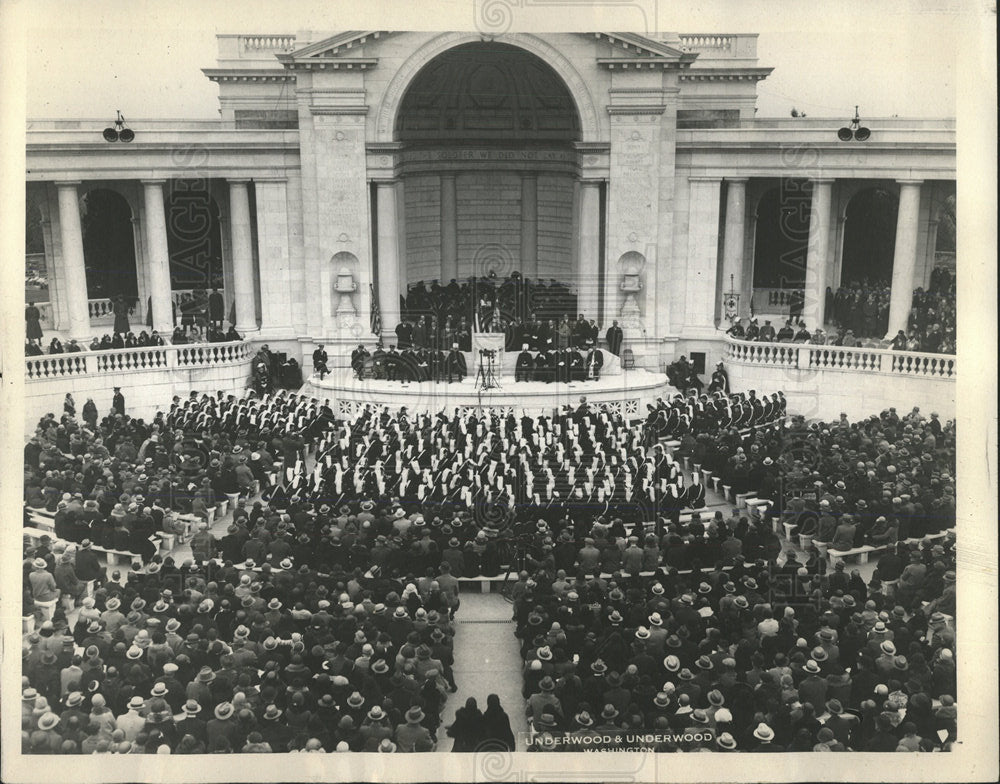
46 524
861 553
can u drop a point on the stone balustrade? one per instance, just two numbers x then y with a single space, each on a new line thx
807 356
136 360
697 41
268 43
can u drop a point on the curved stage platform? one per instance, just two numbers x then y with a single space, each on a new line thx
629 390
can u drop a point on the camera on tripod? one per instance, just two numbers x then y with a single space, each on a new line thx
486 377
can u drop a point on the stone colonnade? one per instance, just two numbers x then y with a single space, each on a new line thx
818 257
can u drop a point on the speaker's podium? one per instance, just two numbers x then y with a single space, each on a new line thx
488 341
487 353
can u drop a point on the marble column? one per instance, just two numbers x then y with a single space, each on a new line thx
529 226
735 240
817 254
589 252
388 256
243 276
272 242
904 259
74 269
157 256
703 256
449 229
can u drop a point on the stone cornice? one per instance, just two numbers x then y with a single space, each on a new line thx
338 110
640 63
725 75
247 75
329 63
648 108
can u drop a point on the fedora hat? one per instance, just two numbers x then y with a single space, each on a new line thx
811 666
135 703
205 675
47 721
661 700
73 699
272 713
704 663
655 619
159 690
672 664
699 716
546 684
356 700
715 697
546 720
819 654
686 675
763 732
834 707
191 708
583 719
726 741
598 666
414 715
113 603
224 710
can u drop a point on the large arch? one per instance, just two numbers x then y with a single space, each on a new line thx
109 244
488 164
869 237
392 98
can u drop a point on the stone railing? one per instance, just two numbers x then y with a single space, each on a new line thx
807 356
720 46
267 43
695 41
136 360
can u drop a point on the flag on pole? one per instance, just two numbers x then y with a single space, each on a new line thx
376 315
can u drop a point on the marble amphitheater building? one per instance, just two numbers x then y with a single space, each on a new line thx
630 172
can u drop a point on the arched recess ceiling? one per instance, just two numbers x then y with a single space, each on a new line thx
487 91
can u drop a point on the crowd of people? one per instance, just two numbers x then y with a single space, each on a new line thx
322 619
740 654
426 351
488 302
305 628
863 311
732 645
859 314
